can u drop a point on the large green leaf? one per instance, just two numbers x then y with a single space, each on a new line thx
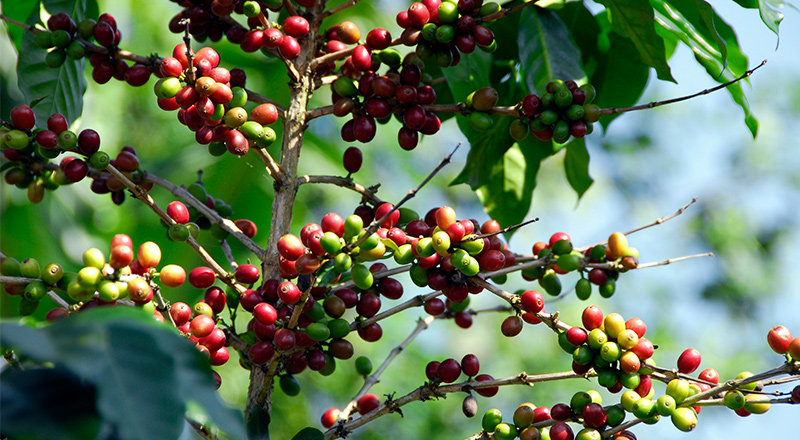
60 90
576 166
47 403
671 20
546 51
620 77
585 32
144 373
701 15
19 11
769 10
634 19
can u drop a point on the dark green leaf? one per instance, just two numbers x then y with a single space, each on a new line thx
61 88
545 49
258 424
309 433
143 371
19 11
702 16
674 22
634 19
620 76
576 166
585 32
471 74
47 403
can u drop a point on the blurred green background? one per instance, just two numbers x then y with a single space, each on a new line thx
647 165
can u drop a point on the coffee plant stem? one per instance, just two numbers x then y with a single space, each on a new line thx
336 9
416 301
377 222
428 391
201 429
142 195
371 380
368 193
611 111
226 224
273 169
226 249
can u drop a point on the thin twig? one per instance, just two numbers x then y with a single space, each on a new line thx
505 11
202 430
142 195
226 224
502 231
612 110
273 169
416 301
369 381
429 391
337 9
226 249
377 222
367 193
657 222
549 319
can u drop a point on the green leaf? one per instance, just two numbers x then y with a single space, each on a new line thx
471 74
62 88
620 77
546 51
19 11
47 403
576 166
144 372
770 13
634 19
671 20
585 32
309 433
258 424
768 10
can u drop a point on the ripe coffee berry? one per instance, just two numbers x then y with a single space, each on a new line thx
688 361
352 159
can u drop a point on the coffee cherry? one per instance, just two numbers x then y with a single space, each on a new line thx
172 275
247 273
688 361
448 371
149 254
349 33
22 117
367 403
352 159
684 418
512 326
330 417
202 326
289 48
296 26
794 349
289 293
779 339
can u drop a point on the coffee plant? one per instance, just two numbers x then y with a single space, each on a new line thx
132 344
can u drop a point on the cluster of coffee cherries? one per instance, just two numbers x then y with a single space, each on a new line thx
479 103
561 258
210 101
565 110
66 39
29 149
99 282
210 20
446 29
376 97
127 162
